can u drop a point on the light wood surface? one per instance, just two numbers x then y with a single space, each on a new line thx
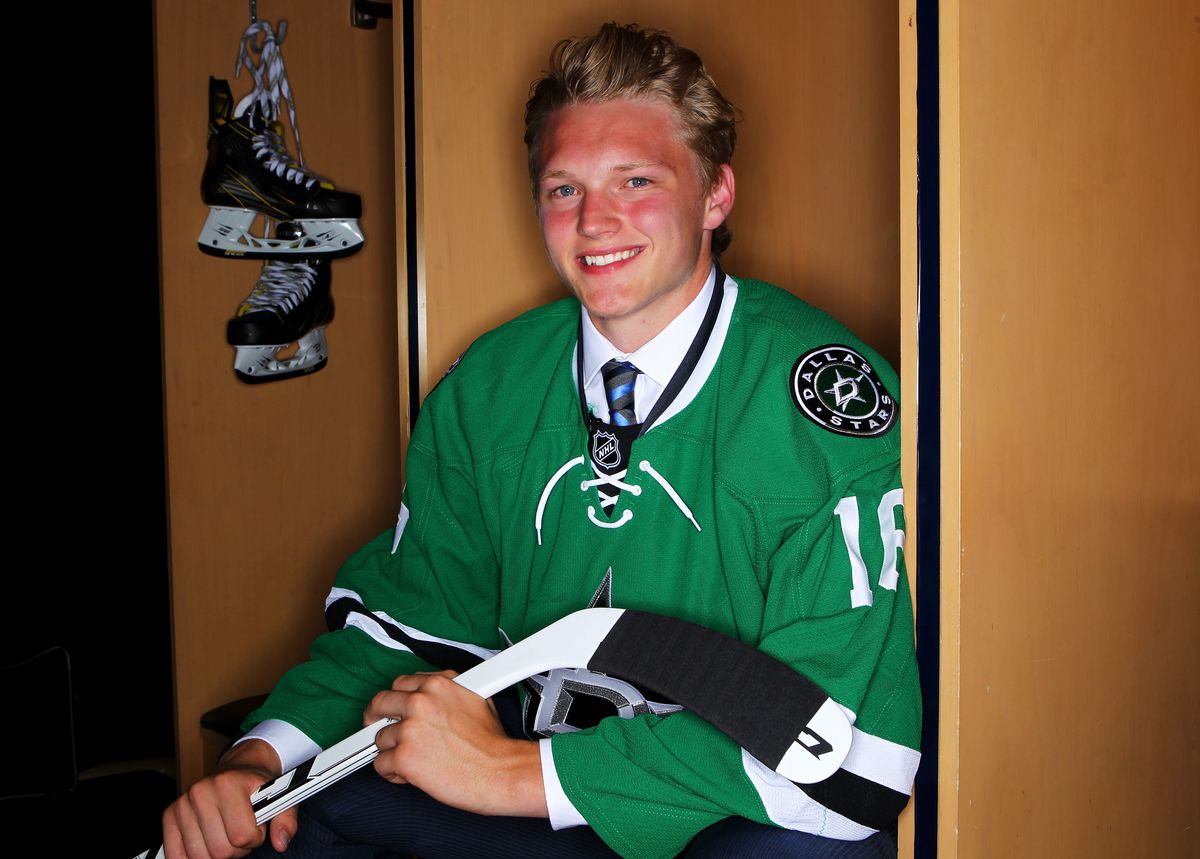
951 448
906 96
405 414
817 167
270 486
1071 205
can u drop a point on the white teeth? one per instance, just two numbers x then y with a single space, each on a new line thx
609 259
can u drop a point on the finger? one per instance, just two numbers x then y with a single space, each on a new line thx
233 789
386 704
388 737
388 763
392 703
383 767
187 829
411 682
172 837
283 829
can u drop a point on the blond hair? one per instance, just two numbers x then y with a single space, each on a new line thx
629 62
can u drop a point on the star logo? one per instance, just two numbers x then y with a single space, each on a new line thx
837 389
570 699
845 390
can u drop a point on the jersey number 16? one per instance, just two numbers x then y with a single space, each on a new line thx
891 536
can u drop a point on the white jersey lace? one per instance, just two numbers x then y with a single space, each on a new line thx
615 481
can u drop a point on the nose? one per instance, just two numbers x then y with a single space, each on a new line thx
598 216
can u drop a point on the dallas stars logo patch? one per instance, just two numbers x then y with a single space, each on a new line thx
835 388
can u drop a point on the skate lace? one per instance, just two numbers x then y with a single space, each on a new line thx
281 287
259 52
269 147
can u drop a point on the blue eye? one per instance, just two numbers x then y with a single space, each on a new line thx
639 182
564 191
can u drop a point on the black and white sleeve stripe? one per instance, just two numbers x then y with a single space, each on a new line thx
344 608
866 794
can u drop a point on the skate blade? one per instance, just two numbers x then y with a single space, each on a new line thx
226 233
258 364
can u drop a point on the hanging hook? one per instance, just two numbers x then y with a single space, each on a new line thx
253 11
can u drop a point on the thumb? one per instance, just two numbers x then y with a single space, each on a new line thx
283 829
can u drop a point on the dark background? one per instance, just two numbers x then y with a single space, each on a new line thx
87 570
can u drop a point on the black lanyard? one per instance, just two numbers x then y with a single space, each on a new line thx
682 374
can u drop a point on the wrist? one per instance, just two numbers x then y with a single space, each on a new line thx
253 755
523 792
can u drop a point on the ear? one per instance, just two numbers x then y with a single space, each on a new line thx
719 201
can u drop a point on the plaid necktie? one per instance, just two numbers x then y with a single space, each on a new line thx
619 377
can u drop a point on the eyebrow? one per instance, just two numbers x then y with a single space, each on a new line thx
616 168
636 165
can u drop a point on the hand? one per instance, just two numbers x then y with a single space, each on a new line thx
450 744
214 819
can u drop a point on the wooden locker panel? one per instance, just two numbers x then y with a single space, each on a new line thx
906 92
271 486
816 163
1079 592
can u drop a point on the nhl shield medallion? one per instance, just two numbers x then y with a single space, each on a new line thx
606 452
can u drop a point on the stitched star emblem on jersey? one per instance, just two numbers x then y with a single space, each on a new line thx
570 699
837 389
845 390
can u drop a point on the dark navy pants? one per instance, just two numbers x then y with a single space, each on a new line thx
365 817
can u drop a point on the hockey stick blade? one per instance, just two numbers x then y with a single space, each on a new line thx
776 714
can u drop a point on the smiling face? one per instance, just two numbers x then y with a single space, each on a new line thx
625 219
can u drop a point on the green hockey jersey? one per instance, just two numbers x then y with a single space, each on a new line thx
768 508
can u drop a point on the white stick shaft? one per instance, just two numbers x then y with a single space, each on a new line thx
572 642
566 643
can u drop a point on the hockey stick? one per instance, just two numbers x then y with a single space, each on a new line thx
777 715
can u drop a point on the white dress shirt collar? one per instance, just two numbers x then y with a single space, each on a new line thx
661 356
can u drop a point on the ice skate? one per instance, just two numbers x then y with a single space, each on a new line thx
251 176
290 303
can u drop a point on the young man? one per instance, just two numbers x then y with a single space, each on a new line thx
670 440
